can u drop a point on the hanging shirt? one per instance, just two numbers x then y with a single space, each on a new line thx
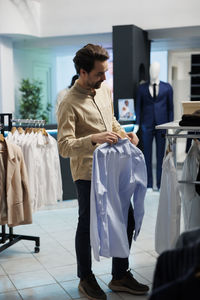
43 167
119 172
167 228
190 198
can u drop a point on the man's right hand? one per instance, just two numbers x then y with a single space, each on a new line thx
105 137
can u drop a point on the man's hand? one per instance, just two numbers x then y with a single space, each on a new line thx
133 138
105 137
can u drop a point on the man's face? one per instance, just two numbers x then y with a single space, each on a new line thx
127 103
94 78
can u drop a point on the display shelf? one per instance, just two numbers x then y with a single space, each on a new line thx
178 132
195 77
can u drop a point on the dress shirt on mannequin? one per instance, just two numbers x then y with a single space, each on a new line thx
154 72
152 110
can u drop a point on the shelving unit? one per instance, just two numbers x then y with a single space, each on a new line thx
195 78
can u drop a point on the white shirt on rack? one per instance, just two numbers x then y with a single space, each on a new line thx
43 167
167 228
190 198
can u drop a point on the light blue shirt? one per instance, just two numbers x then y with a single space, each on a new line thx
119 172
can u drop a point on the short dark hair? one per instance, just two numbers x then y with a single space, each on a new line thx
86 57
74 78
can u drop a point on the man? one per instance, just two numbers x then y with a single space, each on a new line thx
85 120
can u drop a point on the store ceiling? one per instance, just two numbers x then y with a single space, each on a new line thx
161 39
175 38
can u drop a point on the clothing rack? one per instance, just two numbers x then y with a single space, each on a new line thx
26 122
178 132
6 125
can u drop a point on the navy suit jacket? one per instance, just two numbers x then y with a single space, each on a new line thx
151 112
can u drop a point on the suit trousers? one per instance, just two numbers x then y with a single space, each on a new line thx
148 134
82 239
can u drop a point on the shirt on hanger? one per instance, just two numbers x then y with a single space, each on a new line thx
167 227
190 198
119 172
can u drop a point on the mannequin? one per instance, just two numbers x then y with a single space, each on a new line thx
154 106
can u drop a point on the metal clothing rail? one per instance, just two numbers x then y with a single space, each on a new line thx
13 238
179 133
29 121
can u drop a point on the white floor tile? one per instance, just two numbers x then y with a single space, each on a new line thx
126 296
31 279
15 252
15 266
65 273
2 272
46 292
10 296
57 260
103 266
6 284
50 248
141 260
146 244
71 287
147 273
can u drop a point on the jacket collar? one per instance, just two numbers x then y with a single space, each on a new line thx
11 164
11 154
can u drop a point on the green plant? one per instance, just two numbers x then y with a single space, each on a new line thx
30 101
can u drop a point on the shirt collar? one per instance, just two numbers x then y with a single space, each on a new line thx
82 90
157 81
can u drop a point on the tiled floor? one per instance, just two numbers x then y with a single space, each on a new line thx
51 273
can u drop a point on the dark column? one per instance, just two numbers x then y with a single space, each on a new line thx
131 59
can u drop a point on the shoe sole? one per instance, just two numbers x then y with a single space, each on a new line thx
115 288
81 289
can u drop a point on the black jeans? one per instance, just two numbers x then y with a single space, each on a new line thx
82 240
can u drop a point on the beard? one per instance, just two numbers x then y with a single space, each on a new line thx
96 85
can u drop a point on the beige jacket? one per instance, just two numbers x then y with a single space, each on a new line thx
17 192
80 115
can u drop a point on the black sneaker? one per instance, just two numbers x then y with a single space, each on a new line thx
128 284
90 288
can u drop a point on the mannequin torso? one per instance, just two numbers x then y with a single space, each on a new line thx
154 72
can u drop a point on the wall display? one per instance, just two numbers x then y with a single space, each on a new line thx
195 77
131 57
126 110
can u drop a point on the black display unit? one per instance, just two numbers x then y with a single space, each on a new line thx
131 60
195 78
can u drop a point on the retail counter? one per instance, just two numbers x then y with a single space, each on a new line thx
69 191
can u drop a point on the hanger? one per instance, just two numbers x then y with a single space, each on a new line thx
44 132
28 130
2 139
20 130
197 141
168 150
13 129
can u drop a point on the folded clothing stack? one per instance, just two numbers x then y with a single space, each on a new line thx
191 119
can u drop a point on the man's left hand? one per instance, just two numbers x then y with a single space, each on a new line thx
133 138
